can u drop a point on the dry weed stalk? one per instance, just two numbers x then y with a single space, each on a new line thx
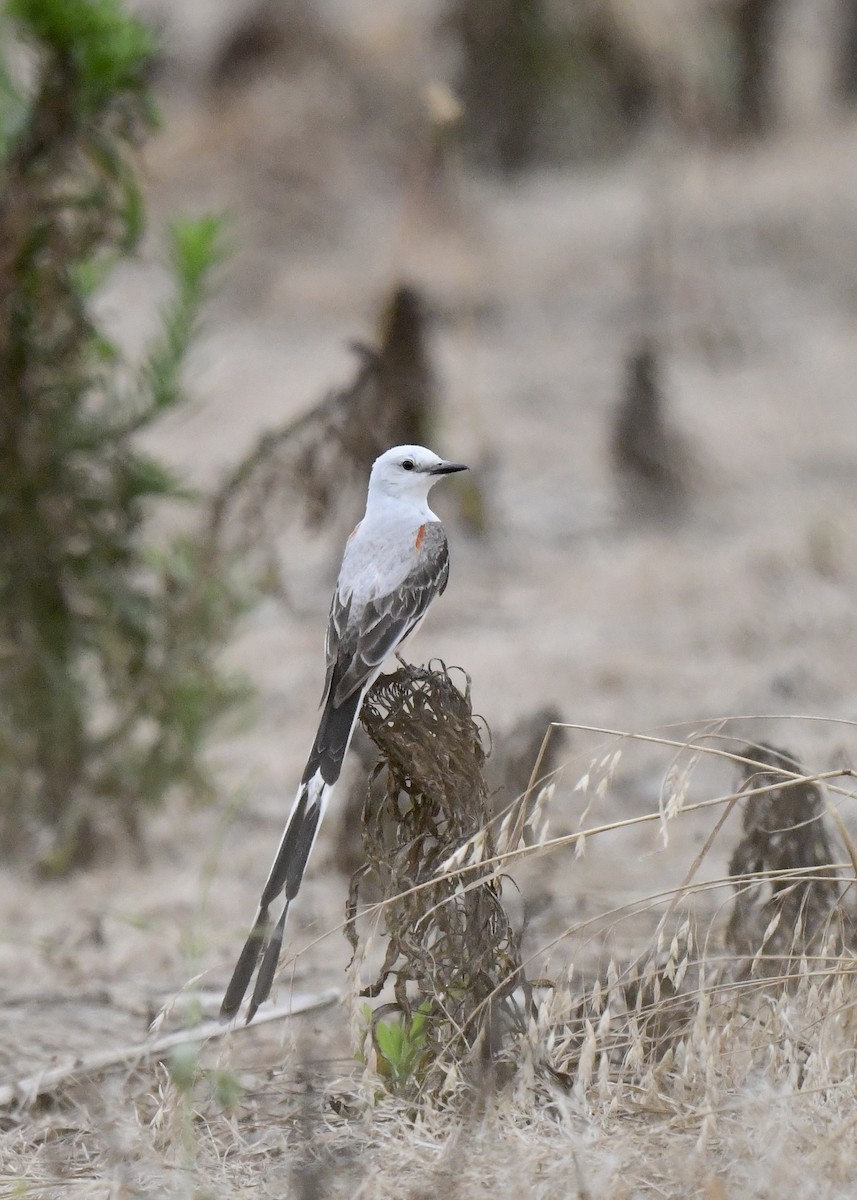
451 951
309 461
787 892
650 458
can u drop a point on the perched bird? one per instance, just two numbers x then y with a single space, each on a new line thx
395 563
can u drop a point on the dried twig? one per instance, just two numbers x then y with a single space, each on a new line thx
25 1091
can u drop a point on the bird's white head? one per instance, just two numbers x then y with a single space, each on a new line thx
409 473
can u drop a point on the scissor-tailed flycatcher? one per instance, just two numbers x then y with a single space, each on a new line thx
394 565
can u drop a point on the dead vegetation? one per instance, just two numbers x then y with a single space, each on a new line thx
788 894
306 465
641 1027
694 1003
650 458
450 950
692 1037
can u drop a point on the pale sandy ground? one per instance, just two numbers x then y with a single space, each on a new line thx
746 607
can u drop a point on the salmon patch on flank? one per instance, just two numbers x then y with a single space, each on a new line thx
421 532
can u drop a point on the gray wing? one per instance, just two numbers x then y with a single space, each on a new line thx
358 642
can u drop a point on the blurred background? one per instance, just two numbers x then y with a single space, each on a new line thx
631 230
597 208
617 243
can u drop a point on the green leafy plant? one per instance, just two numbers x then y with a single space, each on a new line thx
400 1043
108 640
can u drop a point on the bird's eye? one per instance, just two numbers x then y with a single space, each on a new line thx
408 464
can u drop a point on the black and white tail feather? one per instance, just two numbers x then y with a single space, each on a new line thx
395 563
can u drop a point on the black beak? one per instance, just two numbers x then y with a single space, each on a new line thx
448 468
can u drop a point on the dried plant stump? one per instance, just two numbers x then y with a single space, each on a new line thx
451 953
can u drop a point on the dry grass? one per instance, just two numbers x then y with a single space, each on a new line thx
687 1064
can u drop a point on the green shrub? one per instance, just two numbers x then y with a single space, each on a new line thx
108 682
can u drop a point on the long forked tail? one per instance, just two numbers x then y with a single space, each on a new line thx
287 872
